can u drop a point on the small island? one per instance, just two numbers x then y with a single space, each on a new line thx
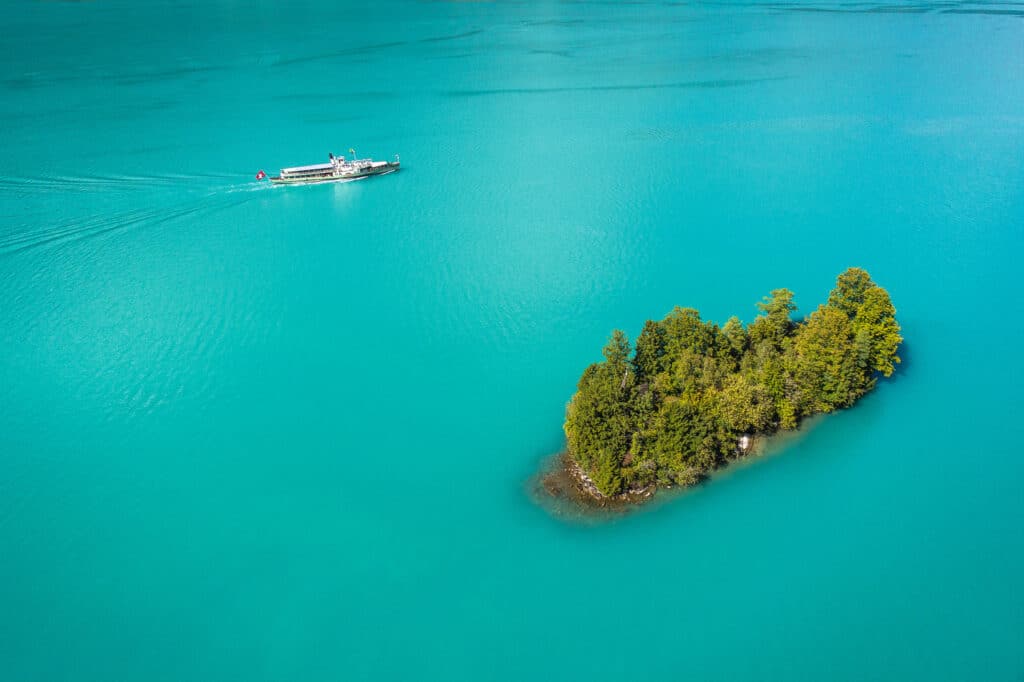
693 395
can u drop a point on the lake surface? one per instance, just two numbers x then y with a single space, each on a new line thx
288 434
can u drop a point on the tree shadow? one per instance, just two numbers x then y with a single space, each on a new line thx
906 362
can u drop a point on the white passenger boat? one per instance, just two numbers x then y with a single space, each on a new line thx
337 169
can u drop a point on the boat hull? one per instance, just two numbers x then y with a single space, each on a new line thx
361 174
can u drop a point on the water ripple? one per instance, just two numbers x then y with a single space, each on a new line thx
94 225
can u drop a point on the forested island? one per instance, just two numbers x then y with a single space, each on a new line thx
693 395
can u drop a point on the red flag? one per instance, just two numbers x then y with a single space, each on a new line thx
261 175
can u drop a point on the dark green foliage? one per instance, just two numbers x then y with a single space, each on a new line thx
688 436
606 473
677 408
650 350
598 420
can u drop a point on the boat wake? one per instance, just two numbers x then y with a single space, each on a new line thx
48 184
35 199
249 187
41 231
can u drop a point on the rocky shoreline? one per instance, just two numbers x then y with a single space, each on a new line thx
587 485
565 479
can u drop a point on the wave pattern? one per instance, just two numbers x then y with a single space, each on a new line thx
51 190
102 183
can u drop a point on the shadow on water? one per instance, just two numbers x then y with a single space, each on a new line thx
339 54
552 22
150 77
554 53
33 80
322 97
902 370
684 85
375 47
456 36
918 8
993 12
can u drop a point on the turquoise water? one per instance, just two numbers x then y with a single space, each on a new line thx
288 434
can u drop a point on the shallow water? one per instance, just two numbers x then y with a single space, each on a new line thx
264 434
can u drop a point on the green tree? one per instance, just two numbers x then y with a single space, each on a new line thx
650 350
746 406
684 330
735 339
774 323
850 289
598 421
616 352
689 436
606 473
875 321
826 364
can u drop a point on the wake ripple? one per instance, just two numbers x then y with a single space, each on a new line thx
45 184
213 199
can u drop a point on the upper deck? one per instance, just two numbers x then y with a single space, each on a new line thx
315 168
